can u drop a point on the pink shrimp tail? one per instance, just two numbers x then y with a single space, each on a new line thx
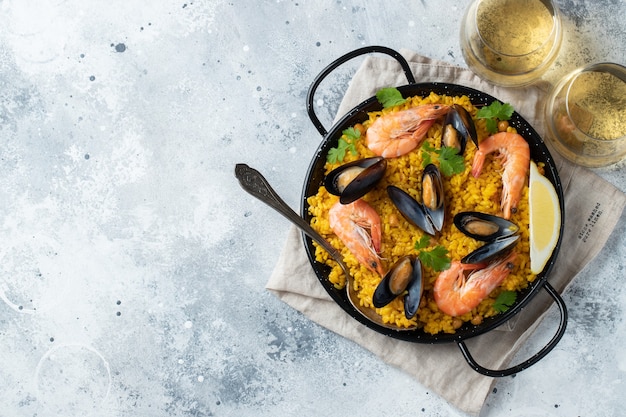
477 164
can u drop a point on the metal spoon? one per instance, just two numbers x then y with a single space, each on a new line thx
254 183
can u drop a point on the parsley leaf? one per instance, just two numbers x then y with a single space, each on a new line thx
437 258
450 162
492 126
422 243
390 97
426 159
426 146
336 154
426 150
345 143
352 134
494 112
504 301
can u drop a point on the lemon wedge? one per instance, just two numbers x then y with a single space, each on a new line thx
545 219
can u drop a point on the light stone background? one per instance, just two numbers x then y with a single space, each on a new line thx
132 266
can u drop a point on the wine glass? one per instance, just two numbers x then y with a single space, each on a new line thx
511 42
586 115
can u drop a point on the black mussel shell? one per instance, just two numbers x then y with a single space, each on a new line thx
405 276
353 180
411 209
458 128
484 227
395 281
433 195
492 250
429 214
414 291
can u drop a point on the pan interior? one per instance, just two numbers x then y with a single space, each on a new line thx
315 177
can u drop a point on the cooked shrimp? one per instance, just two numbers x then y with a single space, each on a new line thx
457 294
349 222
514 149
398 133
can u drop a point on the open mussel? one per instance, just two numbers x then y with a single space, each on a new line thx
458 128
433 196
353 180
428 214
404 277
500 235
484 227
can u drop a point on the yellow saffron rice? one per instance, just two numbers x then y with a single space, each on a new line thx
463 192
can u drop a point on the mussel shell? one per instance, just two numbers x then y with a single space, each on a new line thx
372 171
411 209
433 195
492 250
458 125
484 227
405 276
414 291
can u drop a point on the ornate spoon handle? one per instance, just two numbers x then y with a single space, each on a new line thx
254 183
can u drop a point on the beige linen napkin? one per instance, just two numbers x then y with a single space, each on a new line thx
592 208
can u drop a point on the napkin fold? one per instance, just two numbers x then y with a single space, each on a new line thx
592 208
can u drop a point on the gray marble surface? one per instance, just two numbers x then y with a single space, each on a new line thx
132 268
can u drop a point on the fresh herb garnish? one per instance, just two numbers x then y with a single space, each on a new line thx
436 258
390 97
450 162
493 113
347 142
422 243
426 159
427 149
504 301
352 134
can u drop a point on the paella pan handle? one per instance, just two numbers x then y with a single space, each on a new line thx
330 68
534 359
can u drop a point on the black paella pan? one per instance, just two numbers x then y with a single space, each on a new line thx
315 178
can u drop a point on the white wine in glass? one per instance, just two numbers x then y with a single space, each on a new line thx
511 42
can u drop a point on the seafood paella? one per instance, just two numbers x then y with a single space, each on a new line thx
428 205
